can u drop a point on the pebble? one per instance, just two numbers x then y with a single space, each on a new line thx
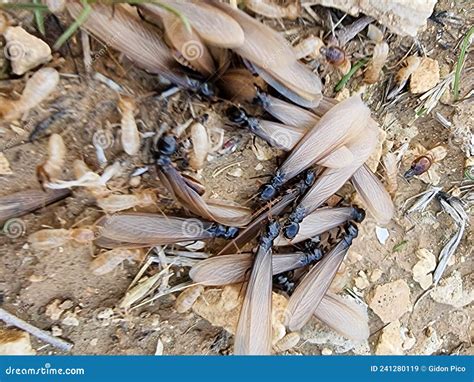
53 310
326 351
429 344
15 342
450 291
390 341
422 270
70 319
391 301
4 165
24 50
362 281
425 77
56 331
375 275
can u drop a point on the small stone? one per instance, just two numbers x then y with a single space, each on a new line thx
259 167
390 341
425 77
135 181
422 271
391 301
15 342
326 351
94 342
70 319
53 310
56 331
66 304
450 291
24 50
362 281
429 344
382 234
236 172
4 165
36 278
375 275
408 339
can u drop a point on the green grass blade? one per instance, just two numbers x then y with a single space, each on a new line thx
74 26
457 76
33 6
344 80
39 18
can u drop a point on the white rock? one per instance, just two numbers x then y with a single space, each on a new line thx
24 50
382 234
404 17
15 342
390 341
391 301
423 269
450 291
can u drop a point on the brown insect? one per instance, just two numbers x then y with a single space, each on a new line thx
23 202
186 193
115 203
107 261
52 238
305 300
337 127
187 298
423 163
137 230
54 165
254 328
37 89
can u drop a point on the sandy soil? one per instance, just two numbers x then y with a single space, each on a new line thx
30 281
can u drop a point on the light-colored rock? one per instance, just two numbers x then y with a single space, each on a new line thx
15 342
450 291
361 281
56 331
425 77
375 275
391 301
70 319
221 307
326 351
404 17
423 269
4 165
53 310
428 344
24 50
390 341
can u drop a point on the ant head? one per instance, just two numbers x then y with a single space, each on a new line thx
351 230
273 229
291 230
334 55
166 145
207 90
418 167
358 214
309 178
267 192
231 232
236 114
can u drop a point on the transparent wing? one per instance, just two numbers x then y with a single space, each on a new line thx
344 315
309 293
374 195
254 328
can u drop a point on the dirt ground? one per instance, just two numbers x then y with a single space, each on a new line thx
31 280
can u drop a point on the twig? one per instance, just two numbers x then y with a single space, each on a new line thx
10 319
